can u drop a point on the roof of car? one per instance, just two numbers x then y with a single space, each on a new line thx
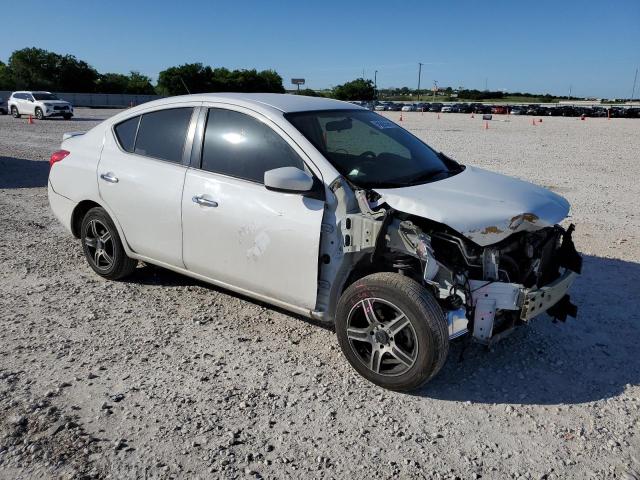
283 102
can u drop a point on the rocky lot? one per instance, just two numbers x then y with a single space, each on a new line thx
161 376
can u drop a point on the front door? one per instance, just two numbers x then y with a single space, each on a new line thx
237 232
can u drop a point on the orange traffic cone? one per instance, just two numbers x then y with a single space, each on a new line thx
486 125
533 122
582 117
400 116
30 122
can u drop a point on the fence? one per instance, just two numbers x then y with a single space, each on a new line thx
109 100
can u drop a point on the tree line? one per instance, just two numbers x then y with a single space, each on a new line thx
39 69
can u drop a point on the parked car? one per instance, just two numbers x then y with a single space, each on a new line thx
518 110
322 208
435 107
39 104
464 108
535 110
481 108
4 109
499 110
422 107
408 108
394 107
380 107
632 112
616 112
446 108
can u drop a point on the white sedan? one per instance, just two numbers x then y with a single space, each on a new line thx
322 208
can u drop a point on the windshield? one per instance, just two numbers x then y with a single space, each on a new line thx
370 150
45 96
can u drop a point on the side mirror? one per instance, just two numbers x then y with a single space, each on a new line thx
288 179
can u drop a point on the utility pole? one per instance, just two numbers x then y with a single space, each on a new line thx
419 75
375 85
569 92
633 91
435 89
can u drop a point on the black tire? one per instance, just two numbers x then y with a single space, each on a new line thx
427 324
14 112
105 256
67 116
39 114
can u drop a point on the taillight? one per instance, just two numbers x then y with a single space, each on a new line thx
57 156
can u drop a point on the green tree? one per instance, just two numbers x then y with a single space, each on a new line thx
73 75
6 77
112 83
358 89
38 69
139 84
195 76
33 68
309 93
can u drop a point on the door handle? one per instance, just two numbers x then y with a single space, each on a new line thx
109 177
205 202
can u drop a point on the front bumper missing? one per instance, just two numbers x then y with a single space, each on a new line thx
490 297
539 300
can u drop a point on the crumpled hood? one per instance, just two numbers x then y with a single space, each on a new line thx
483 206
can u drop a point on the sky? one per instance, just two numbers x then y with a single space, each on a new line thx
540 46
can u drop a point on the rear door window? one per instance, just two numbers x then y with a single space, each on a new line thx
126 133
238 145
162 134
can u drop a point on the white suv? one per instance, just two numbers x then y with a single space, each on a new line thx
325 209
39 104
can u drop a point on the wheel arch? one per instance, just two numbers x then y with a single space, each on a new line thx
81 210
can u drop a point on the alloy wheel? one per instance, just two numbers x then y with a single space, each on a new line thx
99 243
382 337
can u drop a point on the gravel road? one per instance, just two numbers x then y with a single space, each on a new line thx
161 376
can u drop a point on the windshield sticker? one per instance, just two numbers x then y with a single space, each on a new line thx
383 124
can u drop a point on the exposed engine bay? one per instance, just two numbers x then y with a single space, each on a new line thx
483 290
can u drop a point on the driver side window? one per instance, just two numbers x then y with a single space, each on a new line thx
240 146
359 139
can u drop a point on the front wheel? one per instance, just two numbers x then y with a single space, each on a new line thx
392 331
102 246
39 114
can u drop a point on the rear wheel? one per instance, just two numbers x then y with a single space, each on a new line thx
14 112
392 331
102 246
39 114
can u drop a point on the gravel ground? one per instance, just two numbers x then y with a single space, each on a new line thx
161 376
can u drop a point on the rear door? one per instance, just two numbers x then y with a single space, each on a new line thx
237 232
28 105
141 176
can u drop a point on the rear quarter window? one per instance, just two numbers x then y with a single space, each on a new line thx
126 133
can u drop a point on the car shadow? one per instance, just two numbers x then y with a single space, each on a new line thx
593 357
147 274
23 173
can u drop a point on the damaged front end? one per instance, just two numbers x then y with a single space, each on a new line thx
486 290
